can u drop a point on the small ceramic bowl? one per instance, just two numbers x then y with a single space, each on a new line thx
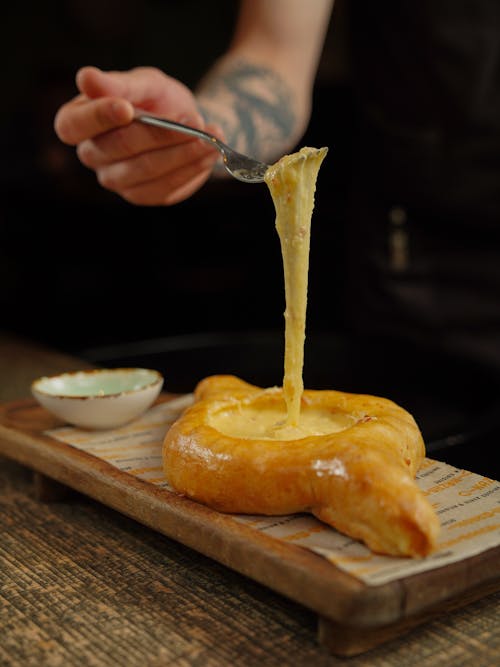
99 398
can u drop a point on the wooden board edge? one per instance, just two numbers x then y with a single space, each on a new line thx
288 569
347 641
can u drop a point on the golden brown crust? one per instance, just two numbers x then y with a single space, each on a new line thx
359 480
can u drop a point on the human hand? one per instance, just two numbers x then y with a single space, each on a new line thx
143 164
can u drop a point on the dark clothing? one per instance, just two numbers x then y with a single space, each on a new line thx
425 215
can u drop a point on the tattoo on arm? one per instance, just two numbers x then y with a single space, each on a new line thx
252 105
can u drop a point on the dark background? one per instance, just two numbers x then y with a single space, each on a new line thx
79 267
196 288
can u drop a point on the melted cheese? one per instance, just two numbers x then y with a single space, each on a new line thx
252 421
292 183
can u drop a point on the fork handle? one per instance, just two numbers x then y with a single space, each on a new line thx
178 127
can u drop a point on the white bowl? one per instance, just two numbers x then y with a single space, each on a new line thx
99 398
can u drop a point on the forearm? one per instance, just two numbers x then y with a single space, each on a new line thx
260 91
253 106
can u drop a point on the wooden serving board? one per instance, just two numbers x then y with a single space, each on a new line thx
353 617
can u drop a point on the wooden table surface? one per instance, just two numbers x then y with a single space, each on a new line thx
81 584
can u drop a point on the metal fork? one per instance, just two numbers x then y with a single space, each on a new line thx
240 166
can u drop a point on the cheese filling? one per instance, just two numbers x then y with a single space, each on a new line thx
270 422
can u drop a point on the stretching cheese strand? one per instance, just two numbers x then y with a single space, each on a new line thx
292 183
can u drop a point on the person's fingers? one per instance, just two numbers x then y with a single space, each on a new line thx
123 143
146 88
138 85
93 82
107 100
170 188
152 165
80 119
187 189
144 164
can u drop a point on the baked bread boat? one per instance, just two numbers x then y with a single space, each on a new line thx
351 462
349 459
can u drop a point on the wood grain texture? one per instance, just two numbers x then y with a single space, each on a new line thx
81 584
359 616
